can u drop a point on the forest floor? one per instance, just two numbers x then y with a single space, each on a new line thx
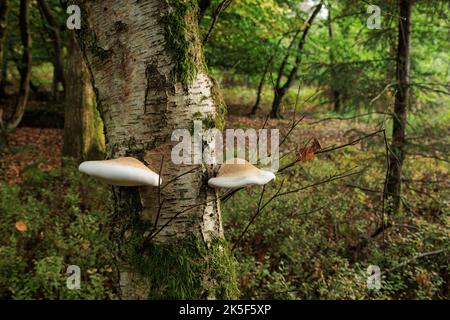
330 223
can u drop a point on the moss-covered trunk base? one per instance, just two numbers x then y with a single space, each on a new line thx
185 269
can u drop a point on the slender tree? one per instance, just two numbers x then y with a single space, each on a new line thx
24 66
4 9
149 75
266 68
281 89
397 154
58 73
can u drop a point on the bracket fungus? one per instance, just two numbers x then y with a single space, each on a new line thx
237 173
126 172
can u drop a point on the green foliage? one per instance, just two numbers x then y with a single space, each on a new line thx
316 244
65 216
356 61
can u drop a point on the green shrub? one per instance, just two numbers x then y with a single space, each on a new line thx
315 244
65 217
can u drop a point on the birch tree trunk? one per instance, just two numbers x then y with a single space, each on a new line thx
149 76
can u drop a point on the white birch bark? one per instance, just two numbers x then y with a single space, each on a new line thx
142 102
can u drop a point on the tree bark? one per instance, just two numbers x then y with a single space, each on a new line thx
397 154
148 71
280 90
10 124
58 72
4 9
83 127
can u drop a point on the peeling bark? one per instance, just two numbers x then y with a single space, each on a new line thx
143 98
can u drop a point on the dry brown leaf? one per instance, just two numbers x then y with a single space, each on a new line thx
422 279
21 226
306 153
85 245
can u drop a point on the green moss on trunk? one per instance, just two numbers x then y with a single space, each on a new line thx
219 120
188 269
183 39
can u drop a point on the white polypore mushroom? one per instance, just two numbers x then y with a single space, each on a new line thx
236 173
127 172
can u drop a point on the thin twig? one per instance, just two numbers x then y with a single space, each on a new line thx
419 256
179 176
348 118
215 16
329 149
160 202
278 193
386 177
257 212
153 235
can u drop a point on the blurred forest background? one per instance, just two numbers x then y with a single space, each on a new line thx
313 69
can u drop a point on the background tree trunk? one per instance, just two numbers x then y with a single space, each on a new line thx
261 85
280 90
83 127
397 153
269 65
8 125
58 73
149 76
4 9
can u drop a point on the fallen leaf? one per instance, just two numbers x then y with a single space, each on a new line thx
422 279
85 245
306 153
21 226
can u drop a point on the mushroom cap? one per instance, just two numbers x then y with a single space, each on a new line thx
127 172
236 173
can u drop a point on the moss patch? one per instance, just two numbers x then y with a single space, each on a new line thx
219 120
188 269
183 39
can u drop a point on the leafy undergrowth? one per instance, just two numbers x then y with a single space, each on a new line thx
312 244
53 220
318 243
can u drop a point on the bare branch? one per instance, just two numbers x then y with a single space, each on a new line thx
215 16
